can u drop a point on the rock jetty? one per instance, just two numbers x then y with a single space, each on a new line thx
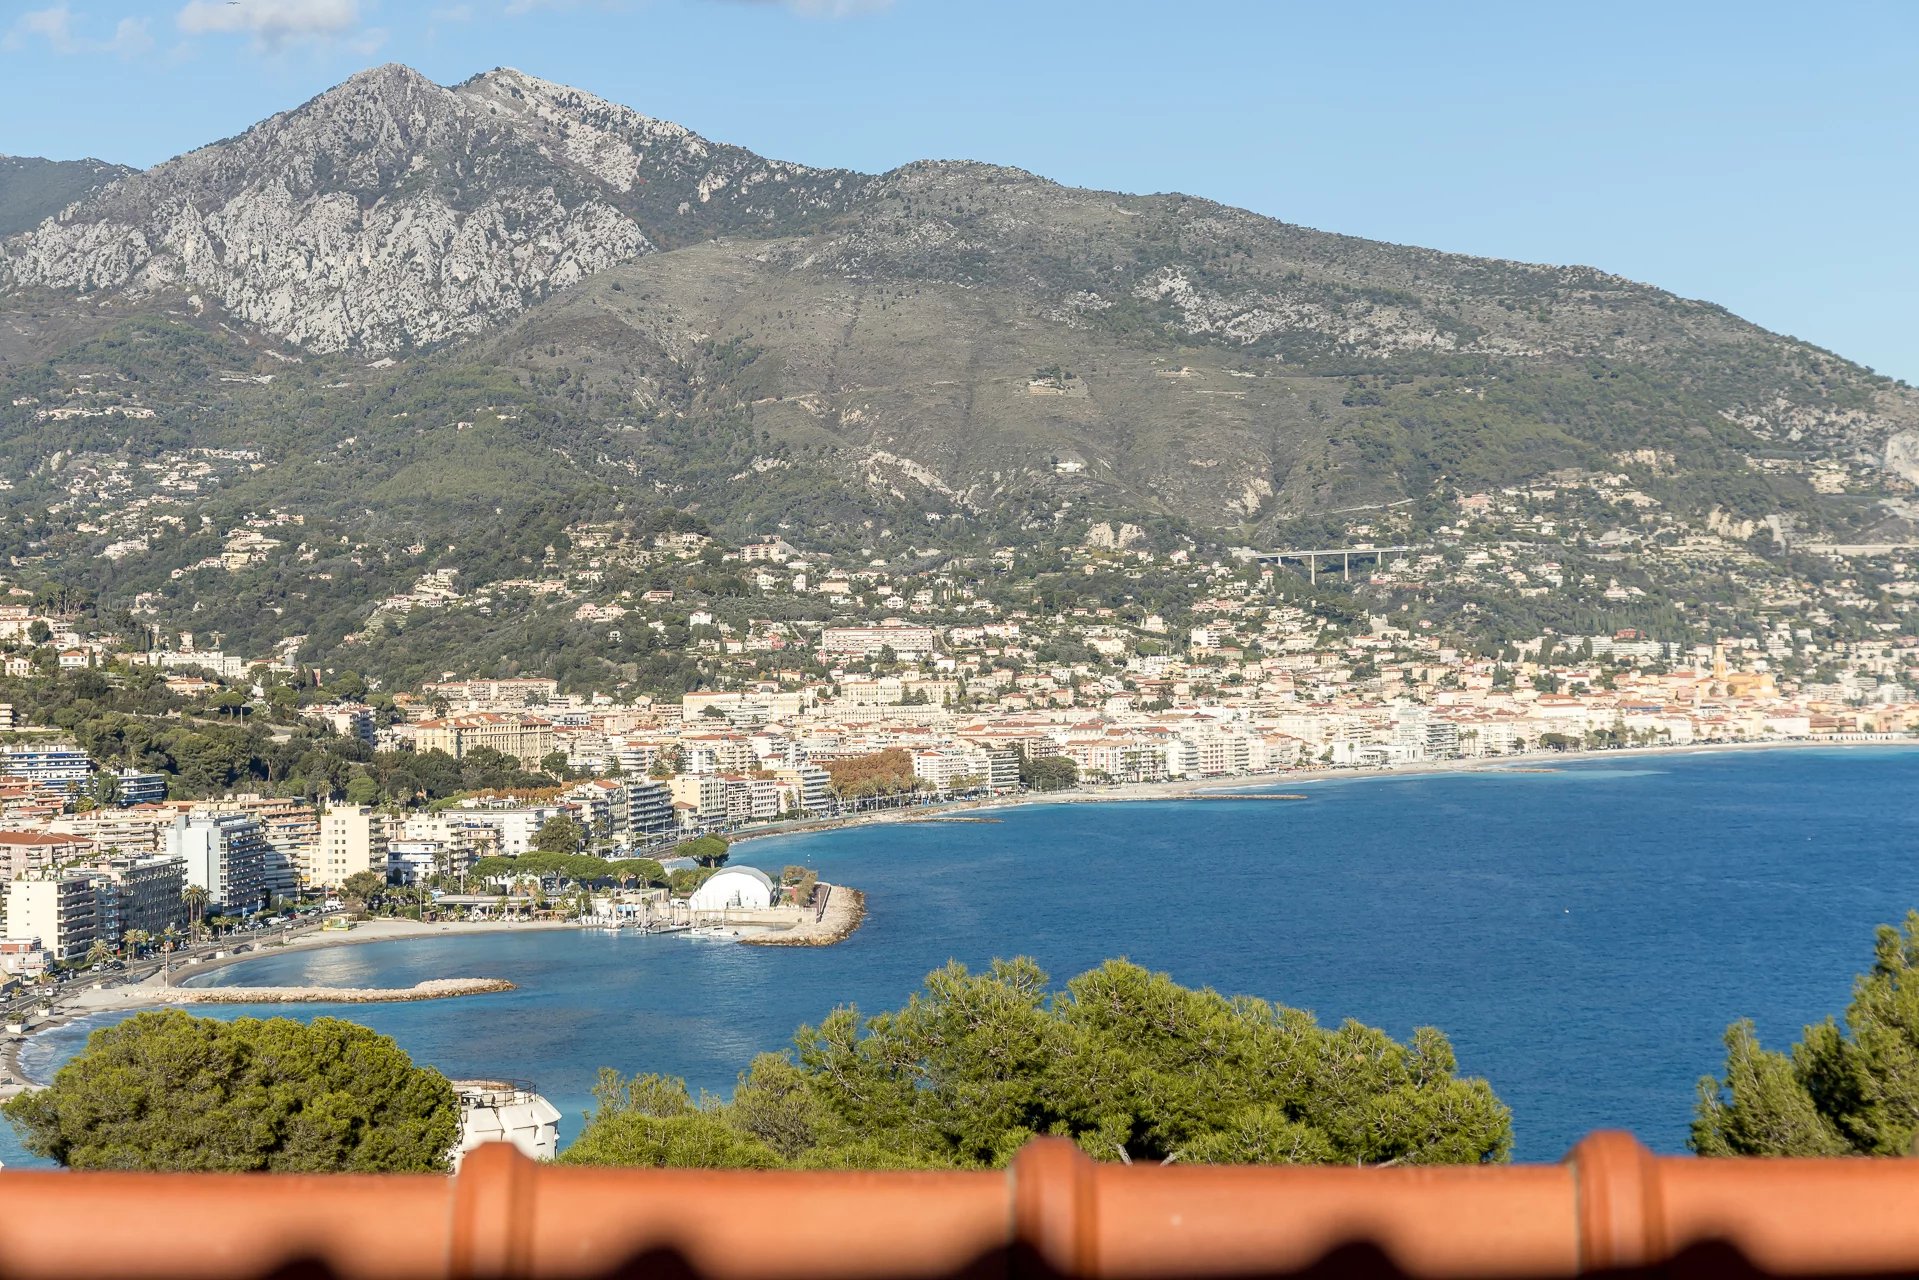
433 989
845 908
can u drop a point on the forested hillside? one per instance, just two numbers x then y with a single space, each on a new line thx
406 329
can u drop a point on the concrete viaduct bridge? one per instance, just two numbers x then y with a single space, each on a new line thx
1311 557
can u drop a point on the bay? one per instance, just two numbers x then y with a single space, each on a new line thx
1583 935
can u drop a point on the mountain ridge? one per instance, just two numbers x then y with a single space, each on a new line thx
419 307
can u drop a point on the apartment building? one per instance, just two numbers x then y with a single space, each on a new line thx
292 831
353 838
139 830
148 893
865 642
811 785
465 839
62 912
704 792
65 768
137 787
950 770
226 854
525 738
349 720
32 853
494 695
750 799
649 811
516 824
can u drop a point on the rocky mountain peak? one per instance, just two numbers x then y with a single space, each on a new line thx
383 213
391 211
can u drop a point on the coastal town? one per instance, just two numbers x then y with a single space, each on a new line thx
905 688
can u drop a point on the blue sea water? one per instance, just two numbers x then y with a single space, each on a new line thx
1584 936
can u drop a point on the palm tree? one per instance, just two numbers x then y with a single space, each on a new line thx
100 952
169 937
135 939
194 898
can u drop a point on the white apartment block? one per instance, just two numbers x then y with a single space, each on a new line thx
352 839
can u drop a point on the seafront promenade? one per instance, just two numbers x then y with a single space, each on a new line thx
1223 786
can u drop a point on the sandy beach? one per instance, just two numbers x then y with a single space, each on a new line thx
150 992
1133 792
846 913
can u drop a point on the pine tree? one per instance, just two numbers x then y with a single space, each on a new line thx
1850 1092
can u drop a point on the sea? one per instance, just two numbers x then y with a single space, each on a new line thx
1583 932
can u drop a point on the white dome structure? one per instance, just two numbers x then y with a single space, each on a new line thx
744 888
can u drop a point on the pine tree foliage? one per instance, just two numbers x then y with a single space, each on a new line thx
168 1091
1839 1092
1125 1062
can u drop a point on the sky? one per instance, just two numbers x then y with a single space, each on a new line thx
1761 155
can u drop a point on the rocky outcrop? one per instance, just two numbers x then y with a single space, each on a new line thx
391 212
845 909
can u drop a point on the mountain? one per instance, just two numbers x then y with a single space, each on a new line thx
412 313
390 212
32 189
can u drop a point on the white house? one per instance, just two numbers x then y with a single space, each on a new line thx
745 888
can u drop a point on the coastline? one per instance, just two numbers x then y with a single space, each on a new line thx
150 993
845 910
844 916
382 929
1224 787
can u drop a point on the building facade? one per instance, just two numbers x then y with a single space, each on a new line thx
224 853
66 768
525 738
61 912
352 839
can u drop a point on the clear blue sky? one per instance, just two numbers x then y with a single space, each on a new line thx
1761 155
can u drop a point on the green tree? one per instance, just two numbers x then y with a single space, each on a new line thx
168 1091
697 1140
103 788
685 880
1839 1092
559 834
361 789
637 870
364 887
1126 1062
1047 773
708 851
194 898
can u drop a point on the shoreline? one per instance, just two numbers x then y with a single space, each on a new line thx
845 912
381 929
1224 786
843 917
149 993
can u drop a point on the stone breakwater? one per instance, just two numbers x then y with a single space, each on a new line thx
434 989
845 908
